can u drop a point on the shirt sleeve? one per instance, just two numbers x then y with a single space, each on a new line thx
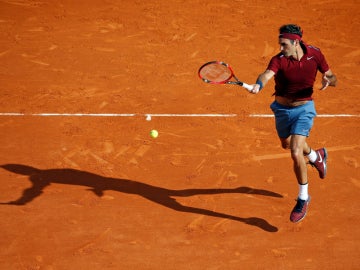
274 64
323 65
321 61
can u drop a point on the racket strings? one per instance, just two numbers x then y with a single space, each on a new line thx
215 72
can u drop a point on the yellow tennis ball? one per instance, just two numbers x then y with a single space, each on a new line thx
154 133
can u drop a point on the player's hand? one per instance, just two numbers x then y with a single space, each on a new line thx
255 89
325 82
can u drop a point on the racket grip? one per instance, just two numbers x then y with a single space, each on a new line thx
247 86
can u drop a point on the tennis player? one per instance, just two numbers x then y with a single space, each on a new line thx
294 70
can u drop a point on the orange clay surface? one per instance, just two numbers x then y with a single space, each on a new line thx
91 192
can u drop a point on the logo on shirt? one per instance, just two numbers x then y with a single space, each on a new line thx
309 57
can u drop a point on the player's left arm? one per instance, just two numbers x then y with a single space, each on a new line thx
328 79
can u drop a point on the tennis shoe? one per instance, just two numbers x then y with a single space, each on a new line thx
320 162
300 210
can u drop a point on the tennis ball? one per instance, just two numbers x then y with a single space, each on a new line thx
154 133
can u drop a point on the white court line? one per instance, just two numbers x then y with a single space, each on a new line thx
160 115
190 115
70 114
118 114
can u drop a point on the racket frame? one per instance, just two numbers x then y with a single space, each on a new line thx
226 81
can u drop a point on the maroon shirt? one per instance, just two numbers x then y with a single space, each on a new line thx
295 79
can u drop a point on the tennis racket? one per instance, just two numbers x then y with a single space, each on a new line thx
217 72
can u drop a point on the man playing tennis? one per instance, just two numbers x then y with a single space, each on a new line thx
294 70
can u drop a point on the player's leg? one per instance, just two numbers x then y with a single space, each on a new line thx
302 118
299 148
285 142
297 144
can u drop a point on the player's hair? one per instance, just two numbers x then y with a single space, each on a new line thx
291 29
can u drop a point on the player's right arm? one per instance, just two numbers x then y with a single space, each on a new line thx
262 80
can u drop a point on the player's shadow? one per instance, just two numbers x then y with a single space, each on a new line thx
98 184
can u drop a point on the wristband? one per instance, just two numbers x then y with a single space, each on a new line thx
259 83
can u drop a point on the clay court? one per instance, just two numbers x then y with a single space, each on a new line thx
84 186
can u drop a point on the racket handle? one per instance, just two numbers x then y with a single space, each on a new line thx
247 86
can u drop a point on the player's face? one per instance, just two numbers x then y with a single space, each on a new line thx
286 47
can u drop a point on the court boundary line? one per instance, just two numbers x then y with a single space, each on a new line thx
161 115
120 114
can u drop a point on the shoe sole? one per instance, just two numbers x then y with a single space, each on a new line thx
293 221
325 158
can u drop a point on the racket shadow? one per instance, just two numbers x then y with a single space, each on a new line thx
98 184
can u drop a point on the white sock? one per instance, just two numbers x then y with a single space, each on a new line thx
312 156
303 192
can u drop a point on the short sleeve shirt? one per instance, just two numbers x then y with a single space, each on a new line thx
295 79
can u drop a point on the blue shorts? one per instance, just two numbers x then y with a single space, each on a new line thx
293 120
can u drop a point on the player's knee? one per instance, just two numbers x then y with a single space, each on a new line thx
296 154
